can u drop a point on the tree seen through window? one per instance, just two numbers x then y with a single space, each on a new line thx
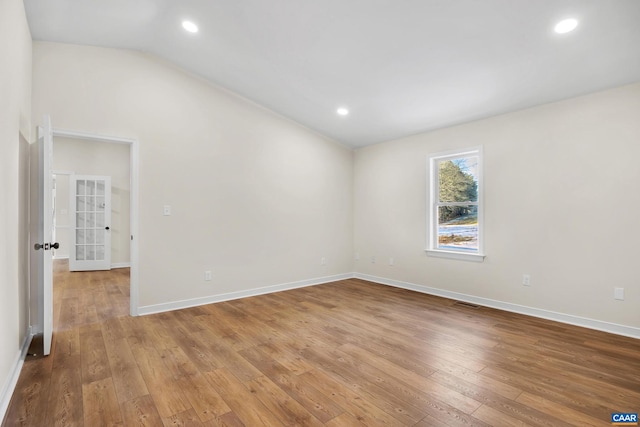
458 204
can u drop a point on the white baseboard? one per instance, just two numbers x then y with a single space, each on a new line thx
628 331
120 265
113 265
177 305
12 379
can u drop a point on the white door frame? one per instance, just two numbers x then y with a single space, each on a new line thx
133 176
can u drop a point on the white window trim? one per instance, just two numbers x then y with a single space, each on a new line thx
432 183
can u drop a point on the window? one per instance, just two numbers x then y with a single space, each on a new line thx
455 211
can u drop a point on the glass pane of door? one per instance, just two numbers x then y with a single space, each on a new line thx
92 213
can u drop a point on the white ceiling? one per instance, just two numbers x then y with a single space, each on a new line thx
400 66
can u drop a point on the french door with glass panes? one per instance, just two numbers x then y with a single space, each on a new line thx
90 208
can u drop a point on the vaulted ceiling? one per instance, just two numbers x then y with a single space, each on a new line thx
399 66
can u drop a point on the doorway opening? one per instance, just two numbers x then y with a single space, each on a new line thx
81 229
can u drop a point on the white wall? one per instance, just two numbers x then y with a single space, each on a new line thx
561 204
259 200
15 116
256 198
84 157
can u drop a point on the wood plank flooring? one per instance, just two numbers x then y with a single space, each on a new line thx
350 353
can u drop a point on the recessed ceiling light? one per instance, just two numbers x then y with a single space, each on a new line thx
190 26
342 111
566 26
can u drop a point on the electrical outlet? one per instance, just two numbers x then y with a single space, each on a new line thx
618 293
373 260
357 256
526 280
207 275
323 261
391 261
166 210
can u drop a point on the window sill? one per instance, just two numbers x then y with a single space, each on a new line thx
455 255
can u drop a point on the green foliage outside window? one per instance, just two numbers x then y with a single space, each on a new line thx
456 185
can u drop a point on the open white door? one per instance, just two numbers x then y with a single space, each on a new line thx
90 206
45 229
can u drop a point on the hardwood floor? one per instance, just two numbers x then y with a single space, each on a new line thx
350 353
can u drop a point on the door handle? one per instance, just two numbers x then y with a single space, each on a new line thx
46 246
106 228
